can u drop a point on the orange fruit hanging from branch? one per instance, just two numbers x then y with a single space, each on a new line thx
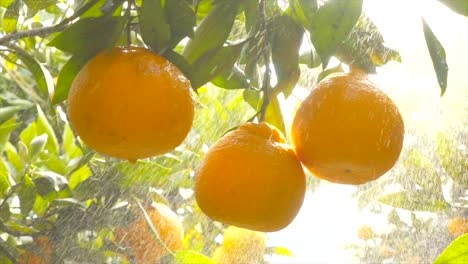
252 179
143 244
130 103
347 130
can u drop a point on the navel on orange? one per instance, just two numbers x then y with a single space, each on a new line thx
252 179
131 103
347 130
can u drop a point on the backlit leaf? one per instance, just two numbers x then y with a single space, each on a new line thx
27 195
415 201
437 52
90 35
10 18
154 25
456 252
213 63
189 256
213 31
331 25
459 6
42 76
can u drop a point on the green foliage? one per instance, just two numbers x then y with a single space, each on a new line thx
212 31
456 252
437 52
154 25
232 44
459 6
285 43
332 24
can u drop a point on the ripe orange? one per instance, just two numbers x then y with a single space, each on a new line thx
131 103
140 240
347 130
458 226
365 232
240 246
252 179
43 255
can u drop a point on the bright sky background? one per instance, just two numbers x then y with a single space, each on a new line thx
329 217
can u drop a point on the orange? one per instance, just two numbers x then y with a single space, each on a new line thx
140 240
347 130
365 232
458 226
252 179
130 103
240 246
43 255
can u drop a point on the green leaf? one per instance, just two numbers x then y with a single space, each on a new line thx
251 14
44 80
26 195
102 7
414 200
45 186
179 61
213 31
5 130
23 152
154 26
235 79
101 33
142 173
332 24
310 58
181 19
6 3
43 126
329 71
27 135
190 256
364 47
286 39
69 146
273 115
13 157
302 11
452 159
26 230
213 63
422 171
459 6
253 98
67 75
456 252
8 112
5 214
39 5
40 206
79 176
10 18
281 251
4 181
67 202
36 146
437 52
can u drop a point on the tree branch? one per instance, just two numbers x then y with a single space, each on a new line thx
266 58
40 32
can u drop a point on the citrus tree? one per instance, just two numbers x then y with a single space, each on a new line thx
85 178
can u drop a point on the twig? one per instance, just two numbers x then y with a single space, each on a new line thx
39 32
266 58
